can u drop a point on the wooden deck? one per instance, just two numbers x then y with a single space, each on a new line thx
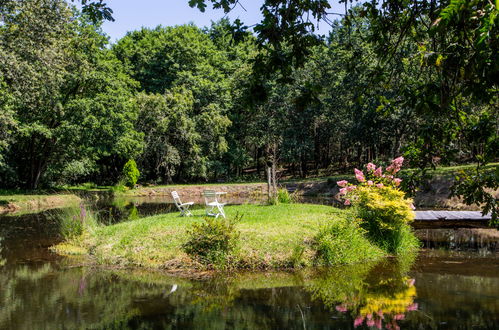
450 219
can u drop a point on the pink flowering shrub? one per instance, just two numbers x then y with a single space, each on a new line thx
381 205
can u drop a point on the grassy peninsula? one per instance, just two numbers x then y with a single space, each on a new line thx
270 236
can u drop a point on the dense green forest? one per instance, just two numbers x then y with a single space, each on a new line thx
194 104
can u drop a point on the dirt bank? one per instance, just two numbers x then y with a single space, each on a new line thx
35 203
238 192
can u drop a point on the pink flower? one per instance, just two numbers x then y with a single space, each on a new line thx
359 175
370 323
412 206
342 183
397 181
358 321
378 172
412 307
398 161
399 317
379 185
370 183
343 191
369 316
378 324
395 165
347 202
371 167
350 188
411 281
341 308
380 313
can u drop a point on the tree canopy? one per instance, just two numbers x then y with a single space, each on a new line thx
191 104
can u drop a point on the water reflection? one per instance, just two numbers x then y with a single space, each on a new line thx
479 239
374 295
450 286
53 296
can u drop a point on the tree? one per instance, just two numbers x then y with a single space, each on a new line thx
71 98
171 139
7 122
178 61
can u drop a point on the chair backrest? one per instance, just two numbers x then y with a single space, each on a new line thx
176 198
209 196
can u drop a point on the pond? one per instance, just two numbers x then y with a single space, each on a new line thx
453 284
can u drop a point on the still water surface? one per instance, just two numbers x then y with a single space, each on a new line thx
453 284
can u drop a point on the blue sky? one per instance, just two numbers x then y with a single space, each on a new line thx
134 14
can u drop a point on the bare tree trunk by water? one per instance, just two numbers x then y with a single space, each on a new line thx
269 183
271 171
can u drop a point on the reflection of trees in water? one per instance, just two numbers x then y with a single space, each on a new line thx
3 261
45 296
464 302
90 298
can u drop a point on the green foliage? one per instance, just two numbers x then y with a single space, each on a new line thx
296 260
71 96
343 242
75 221
213 241
284 197
385 214
195 105
183 114
130 174
384 208
476 187
120 186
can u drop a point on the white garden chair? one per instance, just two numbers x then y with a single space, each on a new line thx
213 207
182 207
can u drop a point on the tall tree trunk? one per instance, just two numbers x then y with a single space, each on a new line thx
303 164
269 183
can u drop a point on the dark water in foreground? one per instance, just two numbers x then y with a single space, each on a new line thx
453 284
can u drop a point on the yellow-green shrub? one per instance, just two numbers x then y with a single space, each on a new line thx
385 206
385 214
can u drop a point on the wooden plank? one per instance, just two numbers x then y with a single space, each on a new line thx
451 215
450 219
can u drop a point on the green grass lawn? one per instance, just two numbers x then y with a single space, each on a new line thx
269 236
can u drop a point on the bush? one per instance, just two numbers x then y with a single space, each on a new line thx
386 215
383 208
119 187
130 174
213 241
343 242
73 222
284 197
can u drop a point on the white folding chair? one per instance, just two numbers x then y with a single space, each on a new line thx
213 207
183 207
